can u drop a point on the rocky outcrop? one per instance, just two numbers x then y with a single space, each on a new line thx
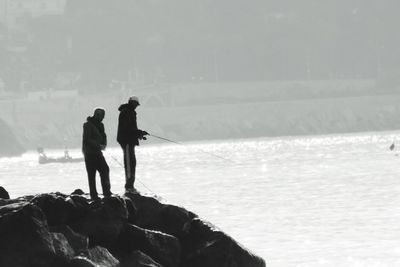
3 193
131 230
9 144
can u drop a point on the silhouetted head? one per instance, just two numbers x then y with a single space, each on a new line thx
134 101
99 113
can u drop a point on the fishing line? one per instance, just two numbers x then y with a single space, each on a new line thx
201 150
120 164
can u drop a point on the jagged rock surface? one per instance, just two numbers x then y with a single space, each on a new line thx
133 230
3 193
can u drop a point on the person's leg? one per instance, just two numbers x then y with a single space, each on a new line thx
133 164
90 163
125 163
104 171
130 165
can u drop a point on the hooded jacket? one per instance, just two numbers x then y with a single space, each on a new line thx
94 136
128 132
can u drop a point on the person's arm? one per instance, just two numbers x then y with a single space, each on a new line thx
141 134
103 145
87 137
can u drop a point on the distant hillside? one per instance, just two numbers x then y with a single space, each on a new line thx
213 111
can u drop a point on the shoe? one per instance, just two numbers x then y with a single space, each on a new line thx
108 194
94 198
131 190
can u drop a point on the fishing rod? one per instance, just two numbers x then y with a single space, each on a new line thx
201 150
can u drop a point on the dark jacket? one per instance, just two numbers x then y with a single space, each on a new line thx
93 136
128 132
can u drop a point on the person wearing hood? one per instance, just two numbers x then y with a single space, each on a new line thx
128 137
93 142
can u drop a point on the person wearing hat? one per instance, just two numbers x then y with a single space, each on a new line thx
128 137
93 142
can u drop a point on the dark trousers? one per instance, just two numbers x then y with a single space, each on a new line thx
97 162
129 165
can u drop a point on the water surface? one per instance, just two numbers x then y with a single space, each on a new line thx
296 201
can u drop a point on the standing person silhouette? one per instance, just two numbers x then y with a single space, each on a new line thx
128 137
93 142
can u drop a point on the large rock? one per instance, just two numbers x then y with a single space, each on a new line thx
207 246
103 222
54 206
61 247
163 248
101 257
81 261
78 242
3 193
25 238
87 233
138 259
151 214
9 144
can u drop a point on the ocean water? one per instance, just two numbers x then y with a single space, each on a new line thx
329 200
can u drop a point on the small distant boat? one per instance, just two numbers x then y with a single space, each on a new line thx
44 159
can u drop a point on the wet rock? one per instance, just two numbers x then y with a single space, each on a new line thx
103 222
139 259
164 235
172 219
146 209
163 248
81 207
101 257
78 192
3 193
62 247
77 241
54 206
81 261
207 246
25 237
131 208
151 214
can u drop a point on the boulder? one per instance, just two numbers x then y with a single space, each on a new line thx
151 214
205 245
100 233
81 261
172 219
131 208
103 222
3 193
138 259
77 241
24 199
146 208
62 248
78 192
57 210
81 207
163 248
25 238
101 257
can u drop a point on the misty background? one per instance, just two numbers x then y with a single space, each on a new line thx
202 69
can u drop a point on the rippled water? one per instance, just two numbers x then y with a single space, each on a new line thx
296 201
